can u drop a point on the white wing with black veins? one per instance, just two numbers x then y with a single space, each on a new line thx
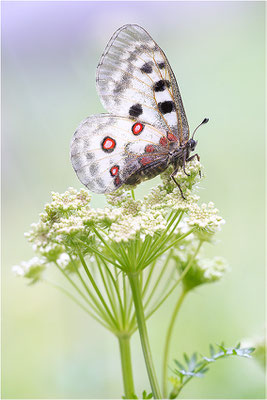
135 80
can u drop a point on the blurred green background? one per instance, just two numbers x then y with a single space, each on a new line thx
50 50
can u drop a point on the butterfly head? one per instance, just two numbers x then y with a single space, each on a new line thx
191 144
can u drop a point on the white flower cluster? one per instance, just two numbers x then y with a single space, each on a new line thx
205 217
69 215
71 200
192 168
213 269
202 270
32 269
168 196
129 226
104 216
156 199
60 217
38 235
176 202
45 234
69 227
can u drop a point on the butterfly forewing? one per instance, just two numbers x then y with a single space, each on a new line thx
134 79
108 150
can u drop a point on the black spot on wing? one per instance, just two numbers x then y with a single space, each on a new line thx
166 107
93 168
147 68
136 110
132 57
161 85
100 182
161 65
120 87
89 156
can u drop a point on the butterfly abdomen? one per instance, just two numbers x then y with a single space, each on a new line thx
149 171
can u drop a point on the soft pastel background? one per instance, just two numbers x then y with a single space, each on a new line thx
50 50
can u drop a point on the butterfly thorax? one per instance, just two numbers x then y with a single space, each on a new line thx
179 154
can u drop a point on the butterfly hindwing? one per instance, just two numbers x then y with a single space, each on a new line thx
108 150
134 79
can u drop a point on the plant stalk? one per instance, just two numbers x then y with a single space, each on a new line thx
126 366
140 316
167 343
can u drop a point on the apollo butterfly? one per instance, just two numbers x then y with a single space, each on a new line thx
145 129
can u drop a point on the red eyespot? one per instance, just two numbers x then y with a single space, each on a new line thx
163 141
114 170
171 137
137 128
150 148
108 144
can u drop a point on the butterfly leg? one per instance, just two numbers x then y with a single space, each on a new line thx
177 184
184 161
193 156
198 158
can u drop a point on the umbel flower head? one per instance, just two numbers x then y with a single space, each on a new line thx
96 248
202 270
31 269
70 225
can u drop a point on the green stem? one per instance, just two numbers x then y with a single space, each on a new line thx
132 192
101 298
126 366
158 279
159 252
187 268
174 315
168 341
140 316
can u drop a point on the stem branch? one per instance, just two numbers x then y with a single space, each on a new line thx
140 316
168 341
126 366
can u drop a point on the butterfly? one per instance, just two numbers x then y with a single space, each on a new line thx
145 129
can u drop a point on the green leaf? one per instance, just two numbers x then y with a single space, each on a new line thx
198 368
147 396
212 351
192 362
221 346
144 396
245 352
186 359
179 364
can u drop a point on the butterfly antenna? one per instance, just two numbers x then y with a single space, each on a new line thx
205 120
